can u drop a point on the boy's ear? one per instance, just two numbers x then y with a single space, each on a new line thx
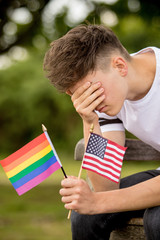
121 65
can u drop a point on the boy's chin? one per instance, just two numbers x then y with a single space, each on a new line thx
111 112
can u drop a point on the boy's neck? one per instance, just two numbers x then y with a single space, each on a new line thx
141 74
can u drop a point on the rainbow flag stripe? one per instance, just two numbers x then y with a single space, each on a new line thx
31 164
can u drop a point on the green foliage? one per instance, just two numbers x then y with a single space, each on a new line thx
27 100
39 214
135 34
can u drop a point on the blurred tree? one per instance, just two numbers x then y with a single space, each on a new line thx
26 101
25 22
20 20
26 98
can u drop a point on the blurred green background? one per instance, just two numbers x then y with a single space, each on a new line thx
27 99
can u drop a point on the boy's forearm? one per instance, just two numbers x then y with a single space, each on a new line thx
139 196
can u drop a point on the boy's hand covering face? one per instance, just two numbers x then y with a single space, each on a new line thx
86 98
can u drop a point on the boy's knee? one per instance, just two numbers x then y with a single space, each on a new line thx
152 223
86 227
79 225
77 219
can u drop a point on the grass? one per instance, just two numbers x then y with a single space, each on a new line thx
39 214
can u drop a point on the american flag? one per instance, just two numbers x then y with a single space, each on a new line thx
104 157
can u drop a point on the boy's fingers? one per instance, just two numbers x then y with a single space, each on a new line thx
70 206
67 199
89 101
69 182
66 191
86 108
85 90
91 90
72 177
80 91
93 97
98 101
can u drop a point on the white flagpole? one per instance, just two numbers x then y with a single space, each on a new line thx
54 151
80 171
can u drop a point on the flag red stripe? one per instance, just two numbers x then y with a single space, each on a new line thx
115 151
101 163
112 155
35 142
117 145
112 161
26 156
87 168
101 169
105 158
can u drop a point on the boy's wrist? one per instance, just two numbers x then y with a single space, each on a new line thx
94 121
97 203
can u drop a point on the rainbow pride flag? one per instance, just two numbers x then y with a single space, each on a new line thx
31 164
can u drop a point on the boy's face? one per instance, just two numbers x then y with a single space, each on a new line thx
115 89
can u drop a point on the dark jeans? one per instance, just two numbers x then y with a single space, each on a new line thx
99 226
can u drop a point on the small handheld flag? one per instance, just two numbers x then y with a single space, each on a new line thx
80 171
104 157
32 163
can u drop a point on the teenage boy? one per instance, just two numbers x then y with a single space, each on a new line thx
115 91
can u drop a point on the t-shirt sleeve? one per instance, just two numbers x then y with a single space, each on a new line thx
108 123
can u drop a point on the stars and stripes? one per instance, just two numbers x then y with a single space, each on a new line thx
104 157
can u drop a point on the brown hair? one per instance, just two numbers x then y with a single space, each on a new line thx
79 52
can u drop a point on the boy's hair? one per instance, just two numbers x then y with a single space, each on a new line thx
82 50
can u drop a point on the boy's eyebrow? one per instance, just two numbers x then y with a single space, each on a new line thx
69 92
